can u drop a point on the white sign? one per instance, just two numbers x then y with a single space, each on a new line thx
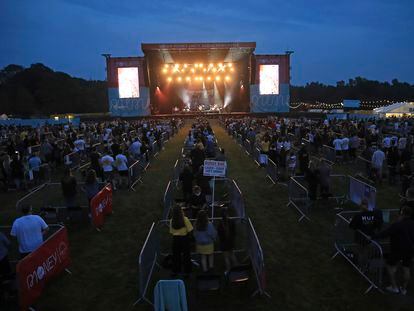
215 168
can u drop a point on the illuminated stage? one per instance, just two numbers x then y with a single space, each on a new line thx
198 77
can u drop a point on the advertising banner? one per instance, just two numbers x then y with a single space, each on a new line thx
38 268
359 190
101 205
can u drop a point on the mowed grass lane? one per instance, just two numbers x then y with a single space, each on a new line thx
105 264
300 274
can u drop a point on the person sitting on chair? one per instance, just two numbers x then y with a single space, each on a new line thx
197 200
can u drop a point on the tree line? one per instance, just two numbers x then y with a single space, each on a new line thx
40 91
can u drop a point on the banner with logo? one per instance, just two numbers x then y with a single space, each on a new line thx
38 268
101 205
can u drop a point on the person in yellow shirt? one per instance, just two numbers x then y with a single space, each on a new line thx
180 229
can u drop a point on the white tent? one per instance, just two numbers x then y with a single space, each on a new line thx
396 110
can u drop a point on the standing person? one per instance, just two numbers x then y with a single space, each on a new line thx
392 161
17 171
186 178
95 164
107 161
121 164
312 177
345 148
227 233
69 188
377 162
353 146
291 164
303 160
91 186
5 269
205 234
337 143
29 230
180 228
401 234
135 149
324 179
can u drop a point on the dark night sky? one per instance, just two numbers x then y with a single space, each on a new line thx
332 40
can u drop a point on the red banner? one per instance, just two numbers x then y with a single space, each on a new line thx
38 268
101 205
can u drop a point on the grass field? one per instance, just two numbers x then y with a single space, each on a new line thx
300 274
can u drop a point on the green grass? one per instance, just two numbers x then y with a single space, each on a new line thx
300 274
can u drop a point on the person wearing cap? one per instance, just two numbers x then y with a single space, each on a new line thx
29 231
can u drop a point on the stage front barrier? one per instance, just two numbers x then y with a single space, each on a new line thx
329 153
299 198
364 254
47 200
359 190
158 246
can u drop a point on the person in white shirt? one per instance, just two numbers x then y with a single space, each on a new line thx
79 145
135 149
345 148
386 142
29 230
402 143
337 143
121 164
377 162
107 161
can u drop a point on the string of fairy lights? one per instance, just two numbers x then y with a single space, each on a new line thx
367 104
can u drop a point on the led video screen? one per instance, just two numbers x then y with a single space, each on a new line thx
128 82
269 79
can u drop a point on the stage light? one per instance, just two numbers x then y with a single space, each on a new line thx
227 78
218 78
169 79
231 69
211 65
214 69
208 78
201 78
179 79
220 65
205 70
166 66
196 78
185 65
201 65
196 65
164 70
192 70
230 65
177 65
187 79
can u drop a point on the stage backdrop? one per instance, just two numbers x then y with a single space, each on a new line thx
269 89
128 91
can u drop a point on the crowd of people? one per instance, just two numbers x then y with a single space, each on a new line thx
27 154
200 144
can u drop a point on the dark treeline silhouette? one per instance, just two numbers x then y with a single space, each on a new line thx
40 91
358 88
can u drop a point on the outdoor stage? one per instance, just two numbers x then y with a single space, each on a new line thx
198 77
